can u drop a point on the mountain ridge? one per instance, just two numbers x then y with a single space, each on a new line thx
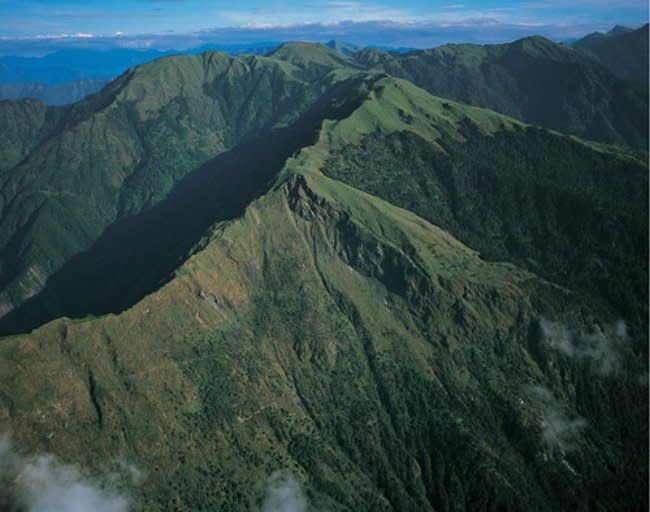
406 302
623 52
339 247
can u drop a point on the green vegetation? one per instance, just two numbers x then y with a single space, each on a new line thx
548 203
345 339
238 266
52 94
120 152
534 80
23 125
622 51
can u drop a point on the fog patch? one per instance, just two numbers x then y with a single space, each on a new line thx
601 349
559 431
42 483
284 493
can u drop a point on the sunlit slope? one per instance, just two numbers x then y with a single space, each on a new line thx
571 211
72 173
120 152
349 341
533 79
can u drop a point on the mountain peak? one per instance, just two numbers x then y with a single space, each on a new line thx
619 29
313 58
344 48
370 57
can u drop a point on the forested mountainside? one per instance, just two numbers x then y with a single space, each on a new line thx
52 94
534 80
219 268
623 51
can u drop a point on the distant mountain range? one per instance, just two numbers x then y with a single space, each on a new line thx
389 274
79 64
623 51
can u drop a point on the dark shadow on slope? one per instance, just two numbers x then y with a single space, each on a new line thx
136 255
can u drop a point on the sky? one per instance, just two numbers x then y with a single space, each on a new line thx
416 23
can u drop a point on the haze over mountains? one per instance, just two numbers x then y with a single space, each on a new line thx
79 71
415 281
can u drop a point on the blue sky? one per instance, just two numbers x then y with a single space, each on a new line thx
182 21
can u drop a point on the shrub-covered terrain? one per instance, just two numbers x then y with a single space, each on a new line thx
217 269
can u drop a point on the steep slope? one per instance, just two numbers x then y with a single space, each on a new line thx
144 249
534 80
72 173
120 152
556 206
623 52
346 340
568 210
52 94
23 124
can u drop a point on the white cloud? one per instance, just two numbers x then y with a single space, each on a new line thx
43 484
284 493
559 431
601 349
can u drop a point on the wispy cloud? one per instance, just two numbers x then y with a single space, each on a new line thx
284 493
187 16
465 27
334 5
601 349
559 431
43 484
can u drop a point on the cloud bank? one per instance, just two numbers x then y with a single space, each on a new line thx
43 484
389 34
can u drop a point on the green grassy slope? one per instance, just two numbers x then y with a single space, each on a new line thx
313 60
144 249
119 153
623 52
534 80
571 211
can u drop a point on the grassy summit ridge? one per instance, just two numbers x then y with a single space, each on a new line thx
533 79
544 201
